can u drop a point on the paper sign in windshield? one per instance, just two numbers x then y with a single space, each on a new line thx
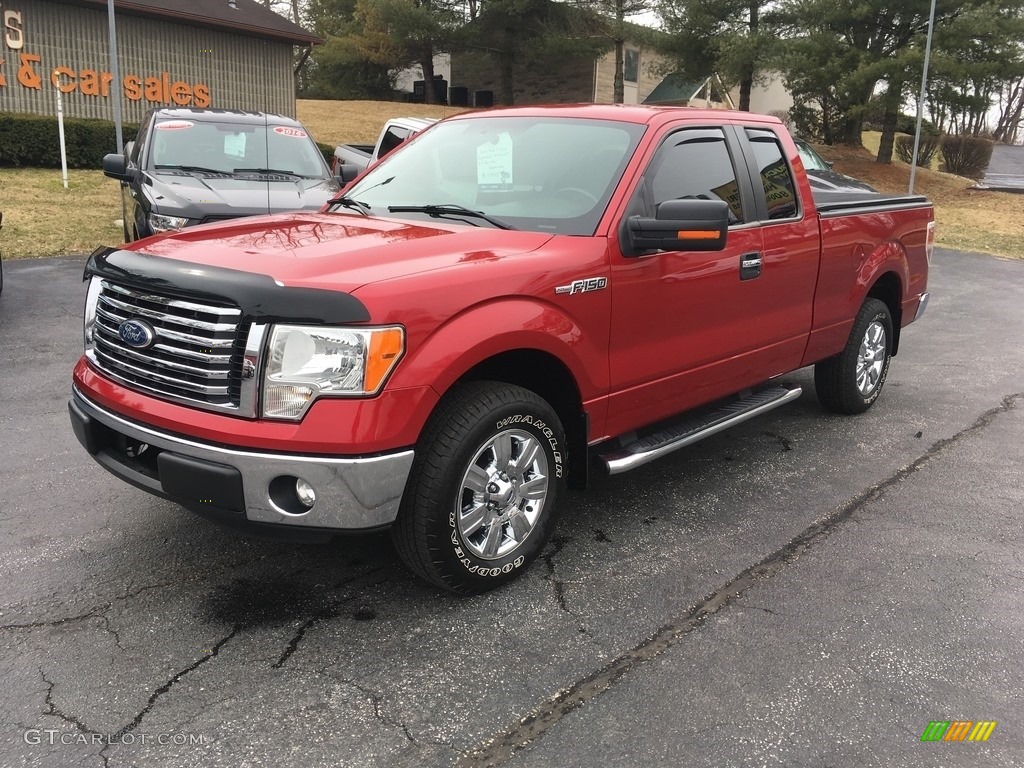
494 164
174 125
294 133
234 145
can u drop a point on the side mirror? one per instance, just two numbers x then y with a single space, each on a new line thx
680 225
347 173
116 167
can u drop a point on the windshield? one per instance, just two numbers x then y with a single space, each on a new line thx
812 160
228 147
542 174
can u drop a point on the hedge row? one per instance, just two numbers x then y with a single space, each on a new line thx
33 140
925 152
966 155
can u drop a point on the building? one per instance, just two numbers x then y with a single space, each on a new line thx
768 96
580 71
229 54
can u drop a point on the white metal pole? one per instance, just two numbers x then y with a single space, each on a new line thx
920 100
116 79
116 96
60 133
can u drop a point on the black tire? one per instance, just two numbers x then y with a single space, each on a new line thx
851 381
448 533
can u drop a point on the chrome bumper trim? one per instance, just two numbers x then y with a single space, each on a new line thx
351 493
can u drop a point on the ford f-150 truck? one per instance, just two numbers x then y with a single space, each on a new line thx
514 299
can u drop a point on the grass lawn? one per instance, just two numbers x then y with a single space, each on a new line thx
43 219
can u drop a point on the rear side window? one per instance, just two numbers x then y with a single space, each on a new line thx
695 163
776 178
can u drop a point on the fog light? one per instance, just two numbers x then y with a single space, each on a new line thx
305 493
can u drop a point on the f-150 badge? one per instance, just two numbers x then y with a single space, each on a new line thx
584 285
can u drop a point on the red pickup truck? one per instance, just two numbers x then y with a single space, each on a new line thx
513 299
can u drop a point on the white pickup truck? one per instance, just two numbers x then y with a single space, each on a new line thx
395 131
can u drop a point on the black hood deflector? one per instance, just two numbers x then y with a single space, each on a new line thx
260 297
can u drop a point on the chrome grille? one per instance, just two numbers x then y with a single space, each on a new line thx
198 350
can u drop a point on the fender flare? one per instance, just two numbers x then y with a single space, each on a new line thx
466 340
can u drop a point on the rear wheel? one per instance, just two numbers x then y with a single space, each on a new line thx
481 497
851 381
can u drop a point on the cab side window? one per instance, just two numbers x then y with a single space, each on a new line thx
695 163
776 178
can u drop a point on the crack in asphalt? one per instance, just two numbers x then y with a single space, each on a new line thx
557 544
174 680
111 631
94 612
330 612
501 748
293 644
53 711
377 700
129 594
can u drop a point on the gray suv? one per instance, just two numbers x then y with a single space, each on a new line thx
192 166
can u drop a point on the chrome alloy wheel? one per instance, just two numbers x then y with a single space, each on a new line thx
503 494
871 359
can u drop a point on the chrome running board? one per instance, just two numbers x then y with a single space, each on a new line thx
679 434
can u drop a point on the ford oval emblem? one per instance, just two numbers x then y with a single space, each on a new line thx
137 334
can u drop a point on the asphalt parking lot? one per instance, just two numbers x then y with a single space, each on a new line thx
804 590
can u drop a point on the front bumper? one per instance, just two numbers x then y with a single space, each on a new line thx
243 486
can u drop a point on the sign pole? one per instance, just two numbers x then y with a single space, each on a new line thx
116 76
920 100
60 134
119 135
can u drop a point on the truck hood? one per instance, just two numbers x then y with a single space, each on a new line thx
337 251
209 196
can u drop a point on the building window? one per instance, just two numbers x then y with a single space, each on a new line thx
631 66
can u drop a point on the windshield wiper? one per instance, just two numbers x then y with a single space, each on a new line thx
273 170
191 169
347 202
449 209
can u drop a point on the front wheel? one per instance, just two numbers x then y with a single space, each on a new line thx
481 498
851 381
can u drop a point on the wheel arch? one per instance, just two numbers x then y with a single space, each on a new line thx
550 378
888 288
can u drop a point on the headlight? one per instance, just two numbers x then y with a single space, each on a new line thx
160 223
91 300
307 362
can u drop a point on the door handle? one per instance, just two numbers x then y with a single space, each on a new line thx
750 265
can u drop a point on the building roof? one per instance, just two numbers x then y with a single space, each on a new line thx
673 89
676 89
242 16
